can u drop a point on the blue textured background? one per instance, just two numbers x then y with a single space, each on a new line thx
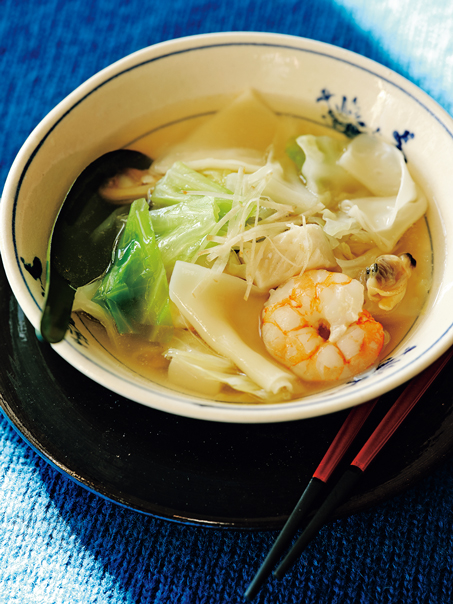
62 544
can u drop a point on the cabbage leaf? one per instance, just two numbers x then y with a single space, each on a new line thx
396 203
134 290
323 174
182 183
182 229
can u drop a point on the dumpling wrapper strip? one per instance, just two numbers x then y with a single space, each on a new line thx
246 127
189 376
246 122
214 305
300 248
213 159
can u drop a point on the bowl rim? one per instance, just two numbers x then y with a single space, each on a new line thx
325 402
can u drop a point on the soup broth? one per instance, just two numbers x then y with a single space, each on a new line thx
249 124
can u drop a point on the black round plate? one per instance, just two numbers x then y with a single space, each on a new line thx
192 471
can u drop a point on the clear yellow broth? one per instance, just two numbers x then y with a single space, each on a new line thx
145 358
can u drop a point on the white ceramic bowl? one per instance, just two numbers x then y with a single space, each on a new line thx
148 91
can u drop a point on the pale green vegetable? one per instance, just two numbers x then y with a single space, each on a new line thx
396 202
134 291
182 229
365 186
295 152
180 183
323 175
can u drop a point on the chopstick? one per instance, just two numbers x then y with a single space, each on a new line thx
345 436
354 421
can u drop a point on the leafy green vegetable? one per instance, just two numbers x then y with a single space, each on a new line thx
181 229
177 184
295 153
134 290
321 170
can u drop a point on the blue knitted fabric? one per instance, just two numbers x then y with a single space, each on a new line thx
62 544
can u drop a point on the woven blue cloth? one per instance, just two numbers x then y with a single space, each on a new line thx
62 544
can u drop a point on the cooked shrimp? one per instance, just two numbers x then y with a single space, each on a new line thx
386 279
314 324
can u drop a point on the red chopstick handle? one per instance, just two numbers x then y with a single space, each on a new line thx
399 411
342 441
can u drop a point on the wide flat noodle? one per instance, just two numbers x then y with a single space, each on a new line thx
246 122
241 131
215 307
201 159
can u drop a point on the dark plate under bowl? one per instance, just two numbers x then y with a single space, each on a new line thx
187 470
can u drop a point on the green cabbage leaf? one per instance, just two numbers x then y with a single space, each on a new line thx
134 290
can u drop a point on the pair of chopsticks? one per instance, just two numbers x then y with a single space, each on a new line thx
347 433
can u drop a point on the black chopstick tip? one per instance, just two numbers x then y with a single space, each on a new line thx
304 505
257 582
323 515
280 571
255 585
251 591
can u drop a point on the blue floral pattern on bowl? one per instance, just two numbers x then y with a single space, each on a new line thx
345 116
